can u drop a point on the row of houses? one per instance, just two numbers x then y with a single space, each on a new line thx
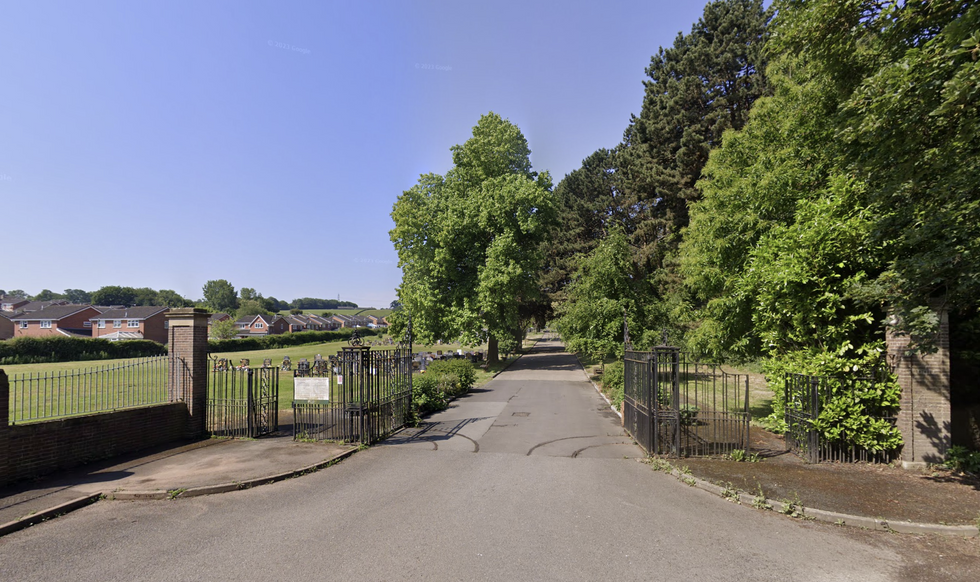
21 318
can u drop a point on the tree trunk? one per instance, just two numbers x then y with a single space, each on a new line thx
492 351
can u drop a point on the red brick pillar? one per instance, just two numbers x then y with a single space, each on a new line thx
4 428
924 417
188 342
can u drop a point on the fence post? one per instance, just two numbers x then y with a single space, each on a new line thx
925 414
4 428
188 337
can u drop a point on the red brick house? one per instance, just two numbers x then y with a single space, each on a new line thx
253 325
6 326
131 323
72 320
12 304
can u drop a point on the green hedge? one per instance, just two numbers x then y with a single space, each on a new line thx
38 350
442 381
285 339
613 378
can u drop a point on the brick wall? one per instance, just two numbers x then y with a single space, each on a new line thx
43 447
925 415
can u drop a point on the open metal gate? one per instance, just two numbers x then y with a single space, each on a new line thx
679 408
242 402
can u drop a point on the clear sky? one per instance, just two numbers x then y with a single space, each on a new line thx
162 144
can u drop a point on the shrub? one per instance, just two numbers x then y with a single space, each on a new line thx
463 371
961 459
36 350
284 339
613 378
427 395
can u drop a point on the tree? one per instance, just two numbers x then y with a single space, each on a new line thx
703 85
224 329
146 296
114 295
248 293
468 242
252 307
78 296
220 296
47 295
170 298
603 291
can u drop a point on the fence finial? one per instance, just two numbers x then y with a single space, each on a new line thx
355 339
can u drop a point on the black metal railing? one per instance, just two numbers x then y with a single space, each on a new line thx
242 402
805 397
362 396
676 407
89 390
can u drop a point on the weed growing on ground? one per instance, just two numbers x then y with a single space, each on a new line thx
730 493
793 508
690 481
742 456
659 465
760 501
175 493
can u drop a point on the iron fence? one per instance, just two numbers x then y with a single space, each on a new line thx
242 402
804 398
676 407
364 396
58 394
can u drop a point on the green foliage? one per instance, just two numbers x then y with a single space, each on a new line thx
223 330
251 307
468 242
962 459
36 350
851 412
742 456
462 372
114 295
427 395
220 296
590 318
613 382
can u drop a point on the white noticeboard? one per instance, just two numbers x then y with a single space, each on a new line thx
311 388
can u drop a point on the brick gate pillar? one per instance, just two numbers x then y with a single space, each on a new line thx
188 340
5 467
924 417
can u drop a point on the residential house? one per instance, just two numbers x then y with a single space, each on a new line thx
129 323
11 304
6 326
70 320
351 320
376 321
259 325
39 305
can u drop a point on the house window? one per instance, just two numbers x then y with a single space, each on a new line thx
133 323
166 324
23 325
45 324
259 325
117 323
242 326
101 324
86 324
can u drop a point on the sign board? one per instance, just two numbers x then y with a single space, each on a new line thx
311 388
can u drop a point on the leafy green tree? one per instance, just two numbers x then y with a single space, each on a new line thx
225 329
77 296
468 242
220 296
48 295
170 298
252 307
114 295
146 296
590 318
248 294
703 85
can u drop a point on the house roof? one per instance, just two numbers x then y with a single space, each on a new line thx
218 317
250 319
122 335
51 312
39 305
131 313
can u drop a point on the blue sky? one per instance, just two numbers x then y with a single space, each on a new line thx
163 144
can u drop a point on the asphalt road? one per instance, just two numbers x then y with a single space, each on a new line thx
530 478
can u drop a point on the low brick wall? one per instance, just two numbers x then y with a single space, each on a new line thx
43 447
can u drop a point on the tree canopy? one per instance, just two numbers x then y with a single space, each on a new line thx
468 242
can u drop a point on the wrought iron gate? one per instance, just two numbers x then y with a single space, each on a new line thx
366 397
680 408
242 402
